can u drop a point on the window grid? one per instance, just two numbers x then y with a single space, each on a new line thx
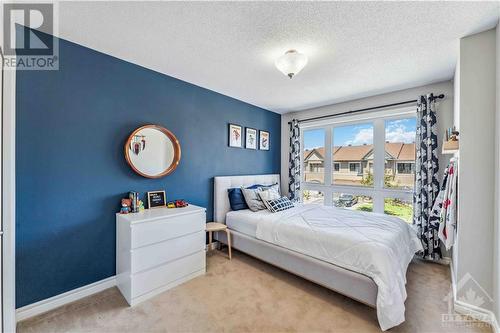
377 192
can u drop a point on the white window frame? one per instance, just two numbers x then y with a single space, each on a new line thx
378 192
336 163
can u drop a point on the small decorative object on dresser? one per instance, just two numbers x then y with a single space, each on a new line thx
156 199
263 140
134 199
126 203
158 249
250 138
235 138
181 203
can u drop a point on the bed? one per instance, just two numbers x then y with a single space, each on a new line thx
332 247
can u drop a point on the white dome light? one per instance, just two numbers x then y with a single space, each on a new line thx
291 63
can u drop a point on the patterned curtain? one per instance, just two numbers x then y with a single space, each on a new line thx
294 162
426 177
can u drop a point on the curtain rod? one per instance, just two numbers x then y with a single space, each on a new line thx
366 109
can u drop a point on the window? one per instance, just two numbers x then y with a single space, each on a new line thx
353 201
400 153
406 168
316 167
361 162
312 197
314 155
400 208
352 151
355 167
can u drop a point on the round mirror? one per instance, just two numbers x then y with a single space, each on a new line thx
152 151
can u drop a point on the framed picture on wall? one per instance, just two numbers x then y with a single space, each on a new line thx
264 140
235 138
250 138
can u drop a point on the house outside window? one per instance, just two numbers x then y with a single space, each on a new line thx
313 160
355 167
406 168
366 164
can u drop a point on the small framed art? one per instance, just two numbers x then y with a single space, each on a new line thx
250 138
235 138
156 199
264 140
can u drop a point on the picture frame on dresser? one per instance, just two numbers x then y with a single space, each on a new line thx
156 199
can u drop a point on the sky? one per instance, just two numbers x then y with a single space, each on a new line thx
400 130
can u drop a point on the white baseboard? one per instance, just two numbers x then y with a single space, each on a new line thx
472 310
477 313
495 325
445 261
48 304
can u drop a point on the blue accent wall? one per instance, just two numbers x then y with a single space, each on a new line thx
71 173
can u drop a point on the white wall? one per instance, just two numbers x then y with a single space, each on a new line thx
456 91
444 116
496 241
477 98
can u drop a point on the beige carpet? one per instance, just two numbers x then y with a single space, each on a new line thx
247 295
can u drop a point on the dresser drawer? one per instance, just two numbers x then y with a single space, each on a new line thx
167 228
160 276
166 251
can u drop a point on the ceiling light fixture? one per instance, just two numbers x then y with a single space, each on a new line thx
291 63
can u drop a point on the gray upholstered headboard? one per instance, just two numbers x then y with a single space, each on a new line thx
222 184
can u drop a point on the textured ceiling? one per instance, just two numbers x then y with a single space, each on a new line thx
355 49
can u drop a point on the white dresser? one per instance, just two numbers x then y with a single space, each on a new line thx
158 249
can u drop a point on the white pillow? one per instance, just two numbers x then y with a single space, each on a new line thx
274 187
268 195
252 199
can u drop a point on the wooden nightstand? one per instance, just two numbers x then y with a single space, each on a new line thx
216 227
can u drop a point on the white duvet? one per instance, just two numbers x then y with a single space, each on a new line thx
376 245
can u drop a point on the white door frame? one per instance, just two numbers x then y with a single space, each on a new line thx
8 197
9 200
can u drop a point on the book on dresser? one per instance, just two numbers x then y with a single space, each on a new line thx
158 249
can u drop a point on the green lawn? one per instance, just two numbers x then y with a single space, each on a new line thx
399 209
391 207
366 207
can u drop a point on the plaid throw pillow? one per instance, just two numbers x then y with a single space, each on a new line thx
277 205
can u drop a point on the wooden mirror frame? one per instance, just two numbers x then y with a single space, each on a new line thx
175 143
